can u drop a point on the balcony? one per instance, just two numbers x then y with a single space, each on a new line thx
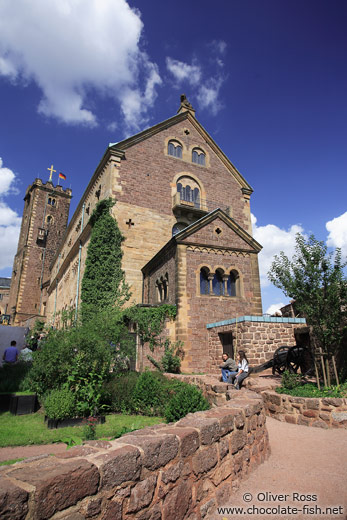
198 207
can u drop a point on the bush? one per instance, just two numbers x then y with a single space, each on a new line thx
290 380
171 359
119 392
60 404
12 376
148 394
187 399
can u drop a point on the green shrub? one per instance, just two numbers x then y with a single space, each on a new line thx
187 399
171 359
12 376
119 392
290 380
60 404
148 394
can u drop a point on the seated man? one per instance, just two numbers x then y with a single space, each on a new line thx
228 366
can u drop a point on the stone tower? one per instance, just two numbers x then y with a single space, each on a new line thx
45 217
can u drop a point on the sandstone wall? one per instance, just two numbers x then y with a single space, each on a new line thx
177 471
320 412
258 336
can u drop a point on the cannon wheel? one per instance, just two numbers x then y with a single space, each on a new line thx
299 357
280 360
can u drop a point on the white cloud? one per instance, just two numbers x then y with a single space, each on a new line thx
10 221
275 307
207 89
73 49
183 71
208 95
337 228
273 239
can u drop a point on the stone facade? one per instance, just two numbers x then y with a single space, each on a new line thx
159 194
4 295
323 412
44 221
259 336
179 471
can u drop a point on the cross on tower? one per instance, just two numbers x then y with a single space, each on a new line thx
51 172
129 223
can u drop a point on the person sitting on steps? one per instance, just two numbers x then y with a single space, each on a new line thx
243 371
228 366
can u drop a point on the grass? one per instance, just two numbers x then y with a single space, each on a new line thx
9 462
24 430
311 390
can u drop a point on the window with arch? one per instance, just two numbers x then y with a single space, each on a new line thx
179 226
49 219
204 281
51 201
163 288
232 283
198 157
175 149
217 283
189 190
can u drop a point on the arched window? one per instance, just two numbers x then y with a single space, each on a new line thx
49 219
204 281
217 283
179 226
51 201
231 283
188 190
174 149
198 157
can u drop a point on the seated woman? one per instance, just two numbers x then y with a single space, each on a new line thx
243 371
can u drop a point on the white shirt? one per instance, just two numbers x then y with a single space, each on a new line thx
243 365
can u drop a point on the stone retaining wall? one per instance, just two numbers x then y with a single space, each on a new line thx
321 412
177 471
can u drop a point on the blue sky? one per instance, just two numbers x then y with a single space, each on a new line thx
268 80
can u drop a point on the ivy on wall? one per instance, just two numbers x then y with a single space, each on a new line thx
150 321
103 283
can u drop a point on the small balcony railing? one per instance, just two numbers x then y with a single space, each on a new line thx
201 206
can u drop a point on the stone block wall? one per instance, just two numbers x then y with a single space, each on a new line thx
318 412
259 336
176 471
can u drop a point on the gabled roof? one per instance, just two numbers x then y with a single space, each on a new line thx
201 223
230 222
121 146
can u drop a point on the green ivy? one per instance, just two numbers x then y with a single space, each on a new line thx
103 283
150 321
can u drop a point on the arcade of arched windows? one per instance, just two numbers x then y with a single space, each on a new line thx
219 282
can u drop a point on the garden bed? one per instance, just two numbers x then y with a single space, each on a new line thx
74 421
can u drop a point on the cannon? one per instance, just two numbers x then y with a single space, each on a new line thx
288 358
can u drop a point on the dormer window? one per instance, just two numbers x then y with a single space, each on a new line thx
198 157
175 149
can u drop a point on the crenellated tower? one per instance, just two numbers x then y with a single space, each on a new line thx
44 222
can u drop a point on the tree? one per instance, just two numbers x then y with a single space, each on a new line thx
315 279
103 284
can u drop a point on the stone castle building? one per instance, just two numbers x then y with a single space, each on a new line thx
184 210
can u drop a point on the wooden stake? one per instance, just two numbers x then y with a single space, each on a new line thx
317 375
335 371
328 371
323 368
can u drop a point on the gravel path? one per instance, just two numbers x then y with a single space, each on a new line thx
307 461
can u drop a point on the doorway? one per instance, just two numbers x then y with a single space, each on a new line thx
227 342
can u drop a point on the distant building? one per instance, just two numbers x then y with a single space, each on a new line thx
4 295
